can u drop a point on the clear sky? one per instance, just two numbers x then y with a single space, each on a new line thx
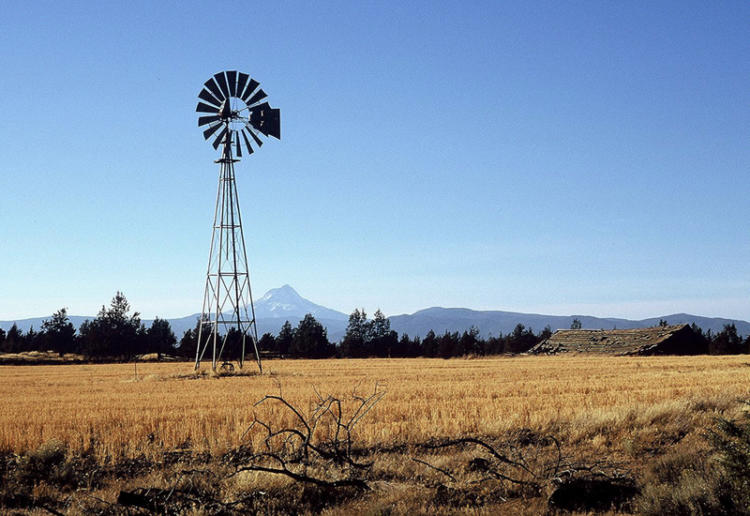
551 157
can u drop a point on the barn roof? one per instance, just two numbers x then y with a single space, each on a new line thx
638 341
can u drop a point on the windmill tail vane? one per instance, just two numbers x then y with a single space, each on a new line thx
234 117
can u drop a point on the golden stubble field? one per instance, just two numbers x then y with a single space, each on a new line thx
111 412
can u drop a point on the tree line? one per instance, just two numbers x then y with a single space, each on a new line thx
113 334
117 334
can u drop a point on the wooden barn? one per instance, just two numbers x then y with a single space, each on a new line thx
660 340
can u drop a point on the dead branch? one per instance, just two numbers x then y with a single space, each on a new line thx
348 482
472 440
513 467
530 470
296 449
441 470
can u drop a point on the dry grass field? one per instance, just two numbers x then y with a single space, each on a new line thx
622 413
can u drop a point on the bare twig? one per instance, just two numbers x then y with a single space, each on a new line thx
441 470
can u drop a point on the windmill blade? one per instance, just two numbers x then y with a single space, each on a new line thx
221 79
255 137
239 145
241 82
250 89
211 85
205 108
256 98
232 78
205 95
259 110
273 127
220 139
226 110
208 119
211 130
266 120
247 142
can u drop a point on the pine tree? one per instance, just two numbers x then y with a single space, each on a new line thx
160 337
13 340
284 340
58 333
358 335
310 339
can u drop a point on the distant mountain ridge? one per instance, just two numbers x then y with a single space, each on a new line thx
284 303
494 322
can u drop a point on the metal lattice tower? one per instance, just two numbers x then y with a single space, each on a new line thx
234 109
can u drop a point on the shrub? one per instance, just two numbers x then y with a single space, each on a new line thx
44 463
731 441
683 482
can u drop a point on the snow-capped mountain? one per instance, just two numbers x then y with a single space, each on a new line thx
285 303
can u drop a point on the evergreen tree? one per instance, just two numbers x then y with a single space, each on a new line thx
415 348
233 345
430 344
726 342
380 325
189 341
310 339
113 333
494 345
284 340
520 340
59 334
13 342
469 344
267 342
403 347
32 341
448 345
160 337
188 344
382 340
358 335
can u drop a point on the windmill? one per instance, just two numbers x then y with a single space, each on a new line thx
234 118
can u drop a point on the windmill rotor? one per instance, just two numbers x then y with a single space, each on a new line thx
232 103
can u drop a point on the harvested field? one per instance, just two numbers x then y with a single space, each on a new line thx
106 404
626 411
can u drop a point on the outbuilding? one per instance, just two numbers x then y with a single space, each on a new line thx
659 340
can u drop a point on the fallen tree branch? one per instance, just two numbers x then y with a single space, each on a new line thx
441 470
347 482
296 448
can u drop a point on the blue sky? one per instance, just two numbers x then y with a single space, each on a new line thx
552 157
